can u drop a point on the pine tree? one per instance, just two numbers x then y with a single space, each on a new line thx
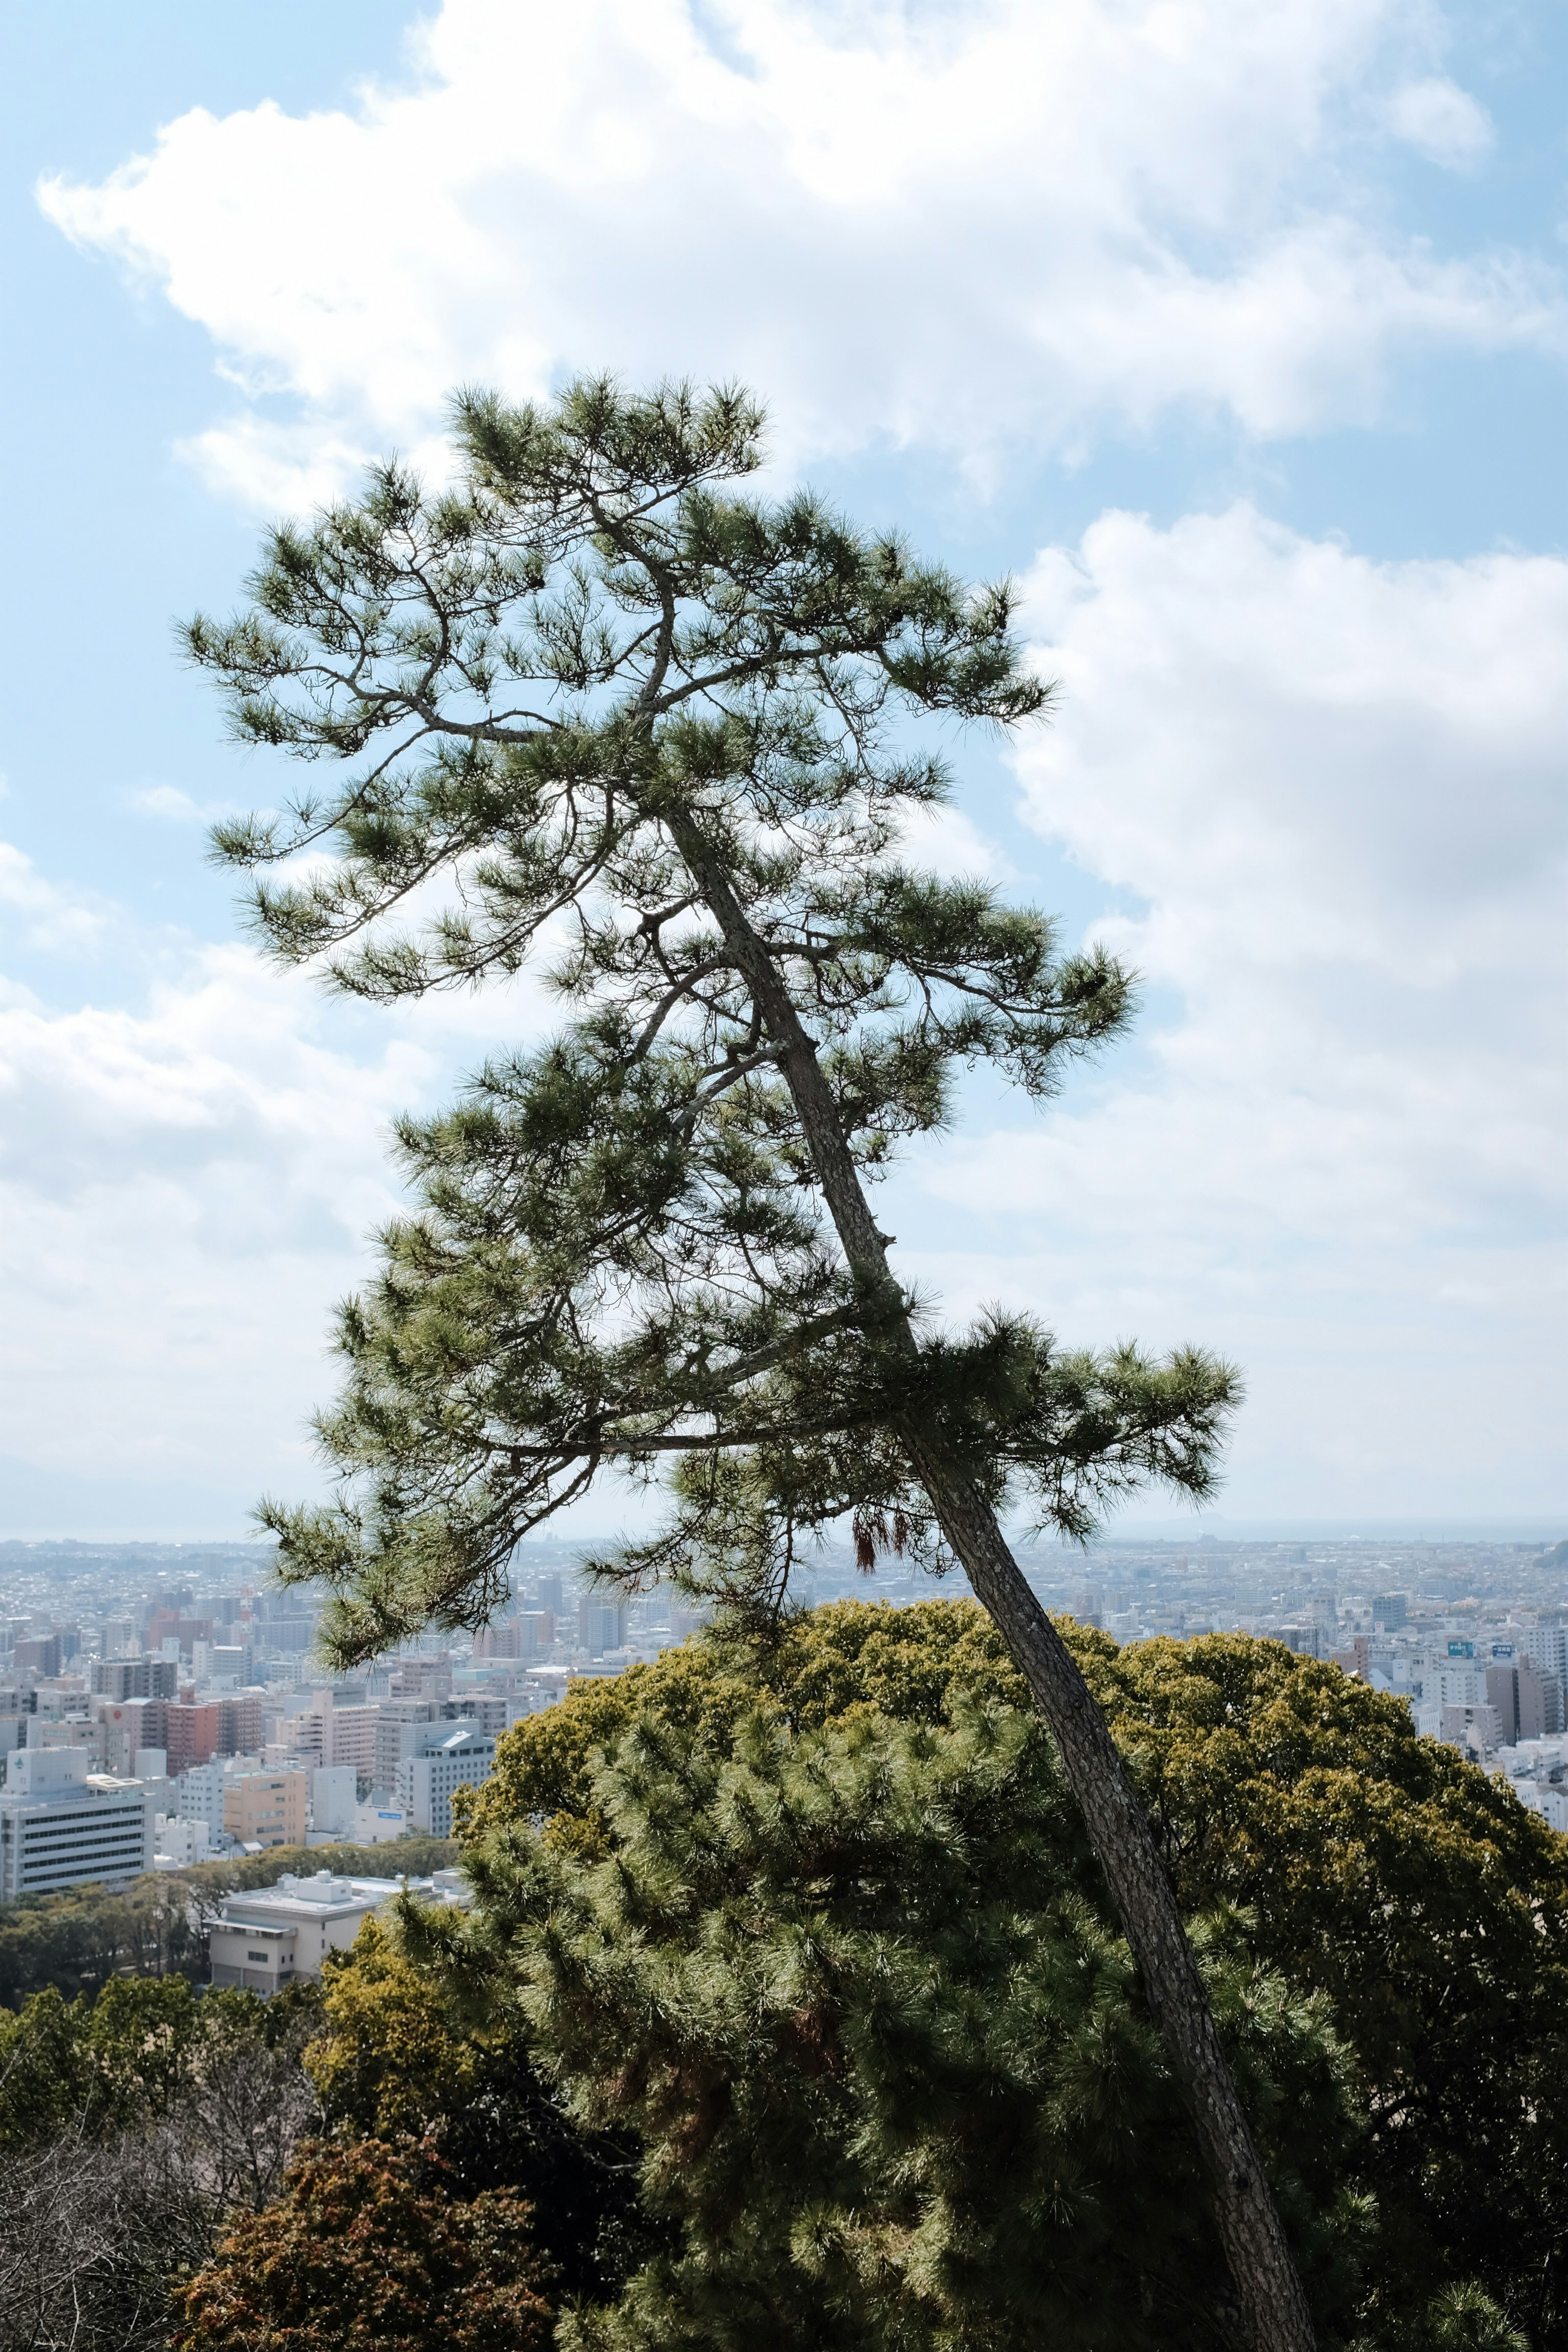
594 703
1362 1860
855 1989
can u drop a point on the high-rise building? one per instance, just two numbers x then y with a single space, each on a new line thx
601 1624
123 1678
130 1725
239 1723
1528 1699
265 1808
353 1741
1477 1730
426 1782
334 1795
83 1731
199 1793
38 1654
501 1640
63 1825
1502 1697
491 1715
422 1678
191 1734
400 1724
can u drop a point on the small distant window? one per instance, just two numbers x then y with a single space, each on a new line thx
256 1956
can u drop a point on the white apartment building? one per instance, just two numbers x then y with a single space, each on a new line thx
271 1934
1546 1646
179 1844
426 1782
63 1825
334 1793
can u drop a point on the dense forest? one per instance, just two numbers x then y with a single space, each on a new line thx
790 2008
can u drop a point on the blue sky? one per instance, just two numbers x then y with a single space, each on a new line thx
1239 331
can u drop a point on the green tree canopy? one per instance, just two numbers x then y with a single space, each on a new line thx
1354 1860
856 1989
396 2059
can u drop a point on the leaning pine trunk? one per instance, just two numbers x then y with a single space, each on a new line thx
1260 2263
1255 2244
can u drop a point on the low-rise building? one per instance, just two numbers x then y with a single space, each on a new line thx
379 1824
63 1825
272 1936
179 1844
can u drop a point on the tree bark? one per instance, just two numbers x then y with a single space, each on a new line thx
1267 2285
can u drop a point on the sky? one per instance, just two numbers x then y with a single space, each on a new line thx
1236 329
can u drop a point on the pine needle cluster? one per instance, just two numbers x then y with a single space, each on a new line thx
592 707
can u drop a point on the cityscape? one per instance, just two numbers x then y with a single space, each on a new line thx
161 1706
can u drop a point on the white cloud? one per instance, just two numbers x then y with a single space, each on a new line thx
1331 790
1336 789
1442 121
951 226
35 912
174 806
186 1189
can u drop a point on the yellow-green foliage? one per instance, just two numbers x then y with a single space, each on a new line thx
852 1658
854 1988
373 2247
388 2061
1370 1865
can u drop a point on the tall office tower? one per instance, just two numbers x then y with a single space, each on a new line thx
426 1781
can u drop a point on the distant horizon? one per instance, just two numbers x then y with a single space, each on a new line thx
1532 1529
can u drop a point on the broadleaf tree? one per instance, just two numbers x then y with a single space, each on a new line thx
594 704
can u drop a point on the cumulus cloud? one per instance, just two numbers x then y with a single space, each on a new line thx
184 1188
951 226
1334 792
174 806
1330 792
1442 121
37 912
